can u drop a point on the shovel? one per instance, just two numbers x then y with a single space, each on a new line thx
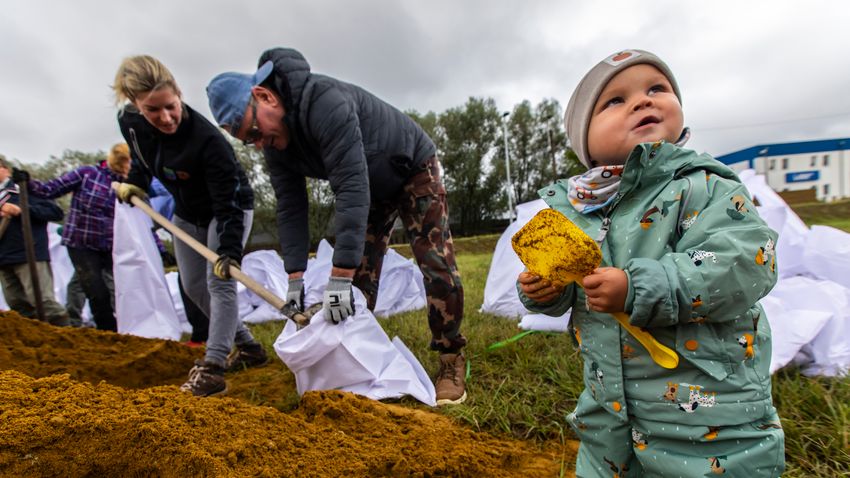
286 309
554 248
29 247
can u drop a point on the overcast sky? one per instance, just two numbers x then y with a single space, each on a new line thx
751 72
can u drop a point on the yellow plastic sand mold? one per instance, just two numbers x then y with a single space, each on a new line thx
557 250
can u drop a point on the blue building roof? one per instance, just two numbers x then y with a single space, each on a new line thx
780 149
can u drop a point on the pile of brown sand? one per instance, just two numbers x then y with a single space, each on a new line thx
38 349
72 424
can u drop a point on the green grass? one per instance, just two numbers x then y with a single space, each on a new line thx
835 214
524 390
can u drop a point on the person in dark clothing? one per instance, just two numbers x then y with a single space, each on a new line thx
15 274
380 165
213 203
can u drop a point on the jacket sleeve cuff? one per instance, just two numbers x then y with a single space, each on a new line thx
649 298
555 308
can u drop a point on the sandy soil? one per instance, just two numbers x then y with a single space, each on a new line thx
80 402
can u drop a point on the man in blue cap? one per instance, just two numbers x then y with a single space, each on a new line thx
380 165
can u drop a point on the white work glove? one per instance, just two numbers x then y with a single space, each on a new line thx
295 294
339 300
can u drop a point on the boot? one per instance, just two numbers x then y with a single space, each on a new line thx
245 356
450 383
205 380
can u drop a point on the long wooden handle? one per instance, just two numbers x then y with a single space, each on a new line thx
204 251
29 248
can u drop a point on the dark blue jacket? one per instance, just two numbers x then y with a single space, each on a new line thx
42 211
363 146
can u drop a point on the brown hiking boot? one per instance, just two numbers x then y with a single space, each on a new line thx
205 380
450 385
249 355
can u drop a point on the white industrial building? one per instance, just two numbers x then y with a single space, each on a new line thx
823 166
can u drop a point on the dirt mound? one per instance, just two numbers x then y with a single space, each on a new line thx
38 349
59 425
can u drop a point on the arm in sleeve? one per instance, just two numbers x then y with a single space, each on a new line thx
714 271
221 171
60 186
555 308
290 190
334 124
45 210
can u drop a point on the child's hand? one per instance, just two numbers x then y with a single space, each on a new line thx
537 289
606 289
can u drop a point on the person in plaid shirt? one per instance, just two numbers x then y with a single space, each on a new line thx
88 229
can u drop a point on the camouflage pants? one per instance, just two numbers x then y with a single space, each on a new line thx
424 213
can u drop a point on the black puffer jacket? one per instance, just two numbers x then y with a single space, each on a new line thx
197 166
42 211
365 147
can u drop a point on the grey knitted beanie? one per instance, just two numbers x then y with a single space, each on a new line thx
580 107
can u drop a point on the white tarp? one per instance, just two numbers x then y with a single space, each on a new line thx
355 356
143 304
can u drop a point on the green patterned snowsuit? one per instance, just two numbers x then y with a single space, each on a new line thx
698 258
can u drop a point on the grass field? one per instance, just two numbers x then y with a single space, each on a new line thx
525 389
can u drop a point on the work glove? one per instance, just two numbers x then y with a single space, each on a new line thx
20 175
339 300
295 294
127 191
221 269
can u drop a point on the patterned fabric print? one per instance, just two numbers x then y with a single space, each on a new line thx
750 449
89 221
594 189
423 211
637 448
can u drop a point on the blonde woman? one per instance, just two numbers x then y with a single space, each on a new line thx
213 203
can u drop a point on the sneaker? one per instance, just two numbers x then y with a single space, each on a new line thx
249 355
205 380
194 345
450 385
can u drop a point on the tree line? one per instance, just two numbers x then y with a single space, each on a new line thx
470 143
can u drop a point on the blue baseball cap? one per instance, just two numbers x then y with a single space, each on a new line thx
229 93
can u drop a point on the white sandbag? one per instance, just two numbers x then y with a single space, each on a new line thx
791 329
545 323
828 353
400 287
265 267
355 356
142 299
317 274
171 279
60 263
500 295
827 254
